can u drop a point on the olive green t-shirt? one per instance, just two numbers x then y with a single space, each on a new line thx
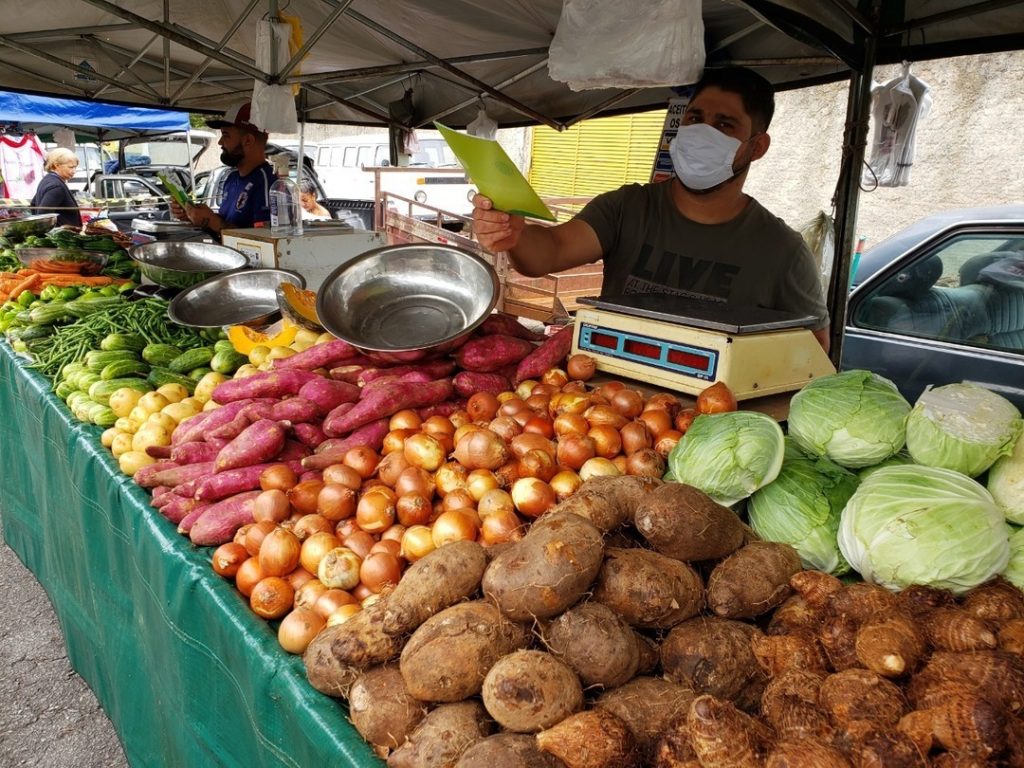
753 260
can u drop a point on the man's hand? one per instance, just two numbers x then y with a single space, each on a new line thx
200 215
178 212
495 230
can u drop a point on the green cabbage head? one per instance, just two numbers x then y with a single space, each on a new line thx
962 427
1014 572
923 525
729 455
801 507
1006 483
855 418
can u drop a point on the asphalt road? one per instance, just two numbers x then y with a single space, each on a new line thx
48 715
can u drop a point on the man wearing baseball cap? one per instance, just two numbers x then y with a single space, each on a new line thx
246 201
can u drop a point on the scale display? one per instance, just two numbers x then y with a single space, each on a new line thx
688 360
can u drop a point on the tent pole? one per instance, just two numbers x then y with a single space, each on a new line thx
858 109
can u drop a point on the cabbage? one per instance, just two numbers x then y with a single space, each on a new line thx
801 507
923 525
1006 483
963 427
855 418
728 455
1014 572
895 460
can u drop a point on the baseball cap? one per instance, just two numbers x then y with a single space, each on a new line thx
238 115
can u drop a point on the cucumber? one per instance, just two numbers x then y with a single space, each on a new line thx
197 373
86 379
34 332
101 390
99 414
76 398
97 360
75 367
224 345
158 376
123 368
160 354
191 359
49 313
115 341
227 361
63 389
83 308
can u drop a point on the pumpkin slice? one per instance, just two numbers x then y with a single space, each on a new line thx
299 306
245 338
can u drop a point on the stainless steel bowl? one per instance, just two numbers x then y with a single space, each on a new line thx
88 262
175 264
36 224
244 297
407 297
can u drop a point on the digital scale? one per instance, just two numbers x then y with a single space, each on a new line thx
686 344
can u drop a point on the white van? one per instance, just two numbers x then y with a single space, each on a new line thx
91 159
342 162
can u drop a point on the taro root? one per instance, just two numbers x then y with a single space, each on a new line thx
528 691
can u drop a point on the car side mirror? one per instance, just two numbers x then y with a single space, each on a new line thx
385 163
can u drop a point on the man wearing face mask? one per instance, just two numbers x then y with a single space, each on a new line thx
696 235
246 200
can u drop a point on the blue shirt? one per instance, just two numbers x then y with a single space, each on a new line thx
247 198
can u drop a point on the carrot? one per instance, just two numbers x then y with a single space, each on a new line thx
49 265
25 285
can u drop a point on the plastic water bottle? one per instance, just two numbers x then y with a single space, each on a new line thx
285 204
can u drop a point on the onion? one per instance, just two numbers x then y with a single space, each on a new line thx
607 440
464 430
664 401
380 570
363 459
479 481
609 388
395 440
540 425
359 542
304 496
298 629
494 501
536 463
279 552
523 416
538 402
576 386
392 546
254 536
530 441
565 484
567 423
482 406
482 449
406 419
307 595
315 547
628 402
240 534
375 512
339 473
574 450
454 525
664 444
370 599
646 462
619 462
635 437
507 474
525 388
598 467
717 398
532 497
569 402
657 420
447 443
339 568
272 597
459 418
501 527
307 525
346 528
336 502
280 477
343 614
360 592
333 599
438 425
394 533
391 466
459 498
227 558
300 576
555 377
413 509
424 451
417 542
505 427
581 367
415 480
684 419
248 575
604 416
512 406
272 505
450 476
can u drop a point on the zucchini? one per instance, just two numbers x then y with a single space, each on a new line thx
49 313
160 354
158 376
101 390
36 332
97 360
227 361
123 368
132 341
191 359
83 308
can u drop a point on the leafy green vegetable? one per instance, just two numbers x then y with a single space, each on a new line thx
801 507
855 418
1014 572
962 427
1006 483
914 524
729 455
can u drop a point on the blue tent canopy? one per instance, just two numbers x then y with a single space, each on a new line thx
44 114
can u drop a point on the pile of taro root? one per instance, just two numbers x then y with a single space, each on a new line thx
640 623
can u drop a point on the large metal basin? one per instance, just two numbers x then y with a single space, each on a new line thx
244 297
177 264
407 297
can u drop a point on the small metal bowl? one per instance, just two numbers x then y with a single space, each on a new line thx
176 264
407 297
244 297
87 262
36 224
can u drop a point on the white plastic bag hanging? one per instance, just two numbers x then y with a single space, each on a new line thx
608 43
819 234
483 125
896 109
273 106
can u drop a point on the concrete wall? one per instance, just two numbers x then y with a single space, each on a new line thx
970 147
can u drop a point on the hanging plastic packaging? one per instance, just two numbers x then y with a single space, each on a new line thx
896 109
819 234
483 125
285 204
273 106
608 43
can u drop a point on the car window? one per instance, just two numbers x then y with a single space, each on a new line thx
365 156
969 290
136 189
199 191
350 157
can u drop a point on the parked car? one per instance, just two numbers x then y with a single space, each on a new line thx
91 158
943 301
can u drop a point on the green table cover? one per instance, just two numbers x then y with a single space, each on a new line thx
187 673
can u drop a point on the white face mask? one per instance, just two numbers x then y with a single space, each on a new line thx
702 156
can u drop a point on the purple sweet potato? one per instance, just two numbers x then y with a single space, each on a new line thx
259 442
446 409
192 426
347 373
234 481
194 513
508 325
410 377
435 369
295 410
161 495
219 521
485 354
159 451
178 475
178 509
192 429
468 383
146 476
328 394
294 450
325 355
187 489
371 435
309 434
245 417
276 384
384 401
197 451
336 415
548 355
